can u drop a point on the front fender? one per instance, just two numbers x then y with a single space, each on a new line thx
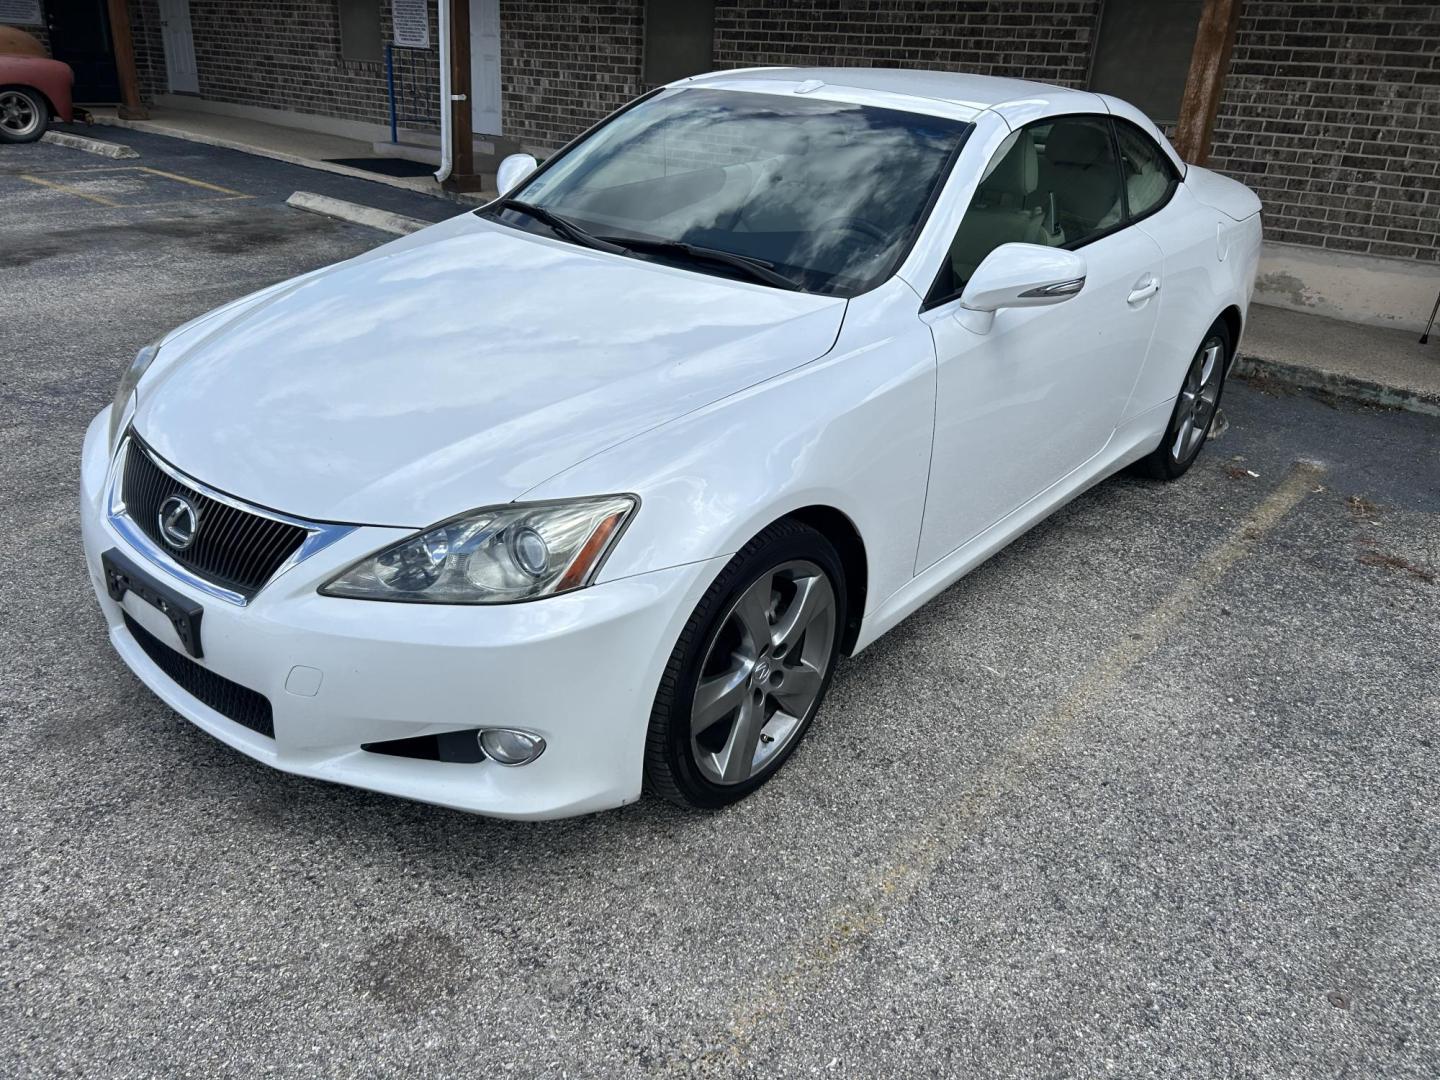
851 431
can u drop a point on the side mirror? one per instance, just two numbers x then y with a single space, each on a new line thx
512 170
1019 275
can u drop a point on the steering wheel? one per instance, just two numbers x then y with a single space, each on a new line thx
859 225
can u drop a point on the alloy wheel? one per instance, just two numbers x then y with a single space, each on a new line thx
763 672
1198 398
18 115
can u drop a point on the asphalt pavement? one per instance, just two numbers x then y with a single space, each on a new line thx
1150 794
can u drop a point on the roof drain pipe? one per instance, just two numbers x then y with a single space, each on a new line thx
443 173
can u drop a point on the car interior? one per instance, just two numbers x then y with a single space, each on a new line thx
828 193
1056 184
816 197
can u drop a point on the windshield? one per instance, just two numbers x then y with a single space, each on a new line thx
826 194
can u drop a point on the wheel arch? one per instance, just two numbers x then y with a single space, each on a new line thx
1234 322
836 526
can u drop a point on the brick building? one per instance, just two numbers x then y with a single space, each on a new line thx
1329 110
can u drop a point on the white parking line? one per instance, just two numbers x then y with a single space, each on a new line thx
844 929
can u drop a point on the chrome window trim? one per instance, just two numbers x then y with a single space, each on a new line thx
318 535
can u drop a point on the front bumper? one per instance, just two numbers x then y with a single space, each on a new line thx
579 669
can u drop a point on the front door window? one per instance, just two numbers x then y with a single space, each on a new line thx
1055 183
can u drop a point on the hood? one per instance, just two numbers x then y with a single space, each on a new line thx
458 367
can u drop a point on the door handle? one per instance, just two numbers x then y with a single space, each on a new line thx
1145 291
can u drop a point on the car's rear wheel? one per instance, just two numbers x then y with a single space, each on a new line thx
1195 408
750 670
24 115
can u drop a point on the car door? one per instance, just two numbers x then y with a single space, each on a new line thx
1028 402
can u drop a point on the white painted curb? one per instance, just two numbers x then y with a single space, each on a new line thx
355 213
90 146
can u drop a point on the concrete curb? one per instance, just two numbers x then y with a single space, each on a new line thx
384 220
420 187
90 146
1341 386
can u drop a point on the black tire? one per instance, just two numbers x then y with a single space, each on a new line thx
24 114
672 770
1176 453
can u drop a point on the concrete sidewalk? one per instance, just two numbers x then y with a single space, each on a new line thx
1348 360
310 149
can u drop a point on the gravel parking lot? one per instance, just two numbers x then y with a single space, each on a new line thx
1150 794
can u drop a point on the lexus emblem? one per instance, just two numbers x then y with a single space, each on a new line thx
179 521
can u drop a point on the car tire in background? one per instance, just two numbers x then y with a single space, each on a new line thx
1195 408
24 114
750 670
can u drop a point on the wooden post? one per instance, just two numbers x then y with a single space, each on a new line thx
462 135
131 107
1209 64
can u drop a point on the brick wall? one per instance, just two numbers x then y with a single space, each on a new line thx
566 65
287 56
1331 112
1047 40
149 48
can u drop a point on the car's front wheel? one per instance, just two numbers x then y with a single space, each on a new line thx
749 671
24 115
1194 410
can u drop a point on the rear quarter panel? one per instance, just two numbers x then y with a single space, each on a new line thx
1210 261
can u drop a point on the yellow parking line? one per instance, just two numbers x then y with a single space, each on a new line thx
69 190
143 205
844 929
187 180
89 169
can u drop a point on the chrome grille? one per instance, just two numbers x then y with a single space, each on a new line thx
236 549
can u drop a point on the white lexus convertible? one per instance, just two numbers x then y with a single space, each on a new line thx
584 493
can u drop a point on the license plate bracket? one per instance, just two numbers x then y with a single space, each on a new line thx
122 576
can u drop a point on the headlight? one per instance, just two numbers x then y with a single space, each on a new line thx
496 555
143 359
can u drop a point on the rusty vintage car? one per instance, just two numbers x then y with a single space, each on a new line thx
34 90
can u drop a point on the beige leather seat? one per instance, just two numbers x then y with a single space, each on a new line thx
1001 212
1079 167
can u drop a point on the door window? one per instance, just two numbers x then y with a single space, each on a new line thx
1150 177
1054 183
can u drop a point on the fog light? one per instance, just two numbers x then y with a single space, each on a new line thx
507 747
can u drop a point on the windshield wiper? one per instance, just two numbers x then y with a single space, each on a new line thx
563 226
756 269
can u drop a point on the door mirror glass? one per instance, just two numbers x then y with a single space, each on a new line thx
1020 275
512 170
